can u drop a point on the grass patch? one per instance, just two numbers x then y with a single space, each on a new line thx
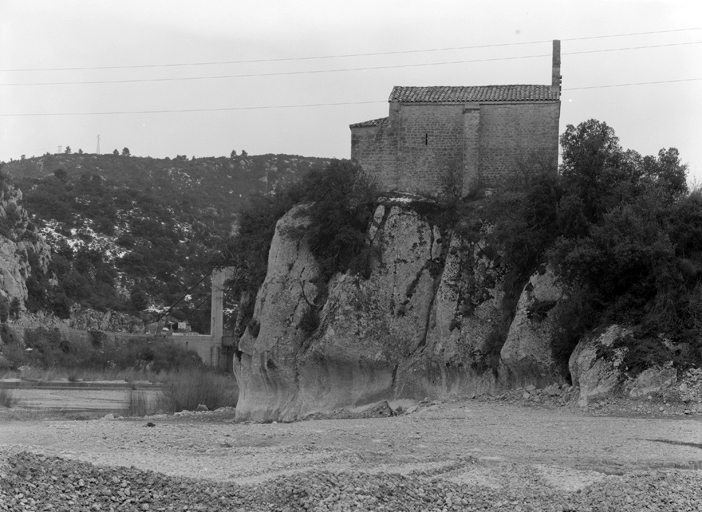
186 389
138 404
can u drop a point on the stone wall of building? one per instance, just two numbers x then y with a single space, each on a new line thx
417 147
430 145
375 147
514 135
471 148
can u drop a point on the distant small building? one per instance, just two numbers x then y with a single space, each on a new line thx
474 135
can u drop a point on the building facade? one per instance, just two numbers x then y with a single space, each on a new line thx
471 137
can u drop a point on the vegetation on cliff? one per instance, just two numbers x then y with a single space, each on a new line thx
622 232
340 199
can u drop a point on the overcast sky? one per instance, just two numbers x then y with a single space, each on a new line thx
137 40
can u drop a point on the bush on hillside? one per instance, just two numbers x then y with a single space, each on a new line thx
340 202
49 349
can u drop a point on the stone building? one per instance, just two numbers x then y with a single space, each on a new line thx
468 136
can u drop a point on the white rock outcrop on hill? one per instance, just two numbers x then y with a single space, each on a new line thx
15 245
13 271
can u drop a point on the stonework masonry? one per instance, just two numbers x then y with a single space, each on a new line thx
473 136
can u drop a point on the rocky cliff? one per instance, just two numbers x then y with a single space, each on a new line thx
423 324
17 242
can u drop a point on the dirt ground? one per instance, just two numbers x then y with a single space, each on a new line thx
486 443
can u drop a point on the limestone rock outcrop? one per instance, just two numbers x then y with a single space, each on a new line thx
419 326
13 271
595 374
267 366
598 368
15 245
527 350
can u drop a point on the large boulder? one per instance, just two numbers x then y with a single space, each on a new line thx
595 366
527 351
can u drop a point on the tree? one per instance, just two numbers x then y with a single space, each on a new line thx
139 299
628 229
68 150
244 153
15 307
233 153
61 174
4 309
592 164
80 151
665 175
115 152
125 152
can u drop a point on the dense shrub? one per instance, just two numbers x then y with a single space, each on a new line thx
628 247
620 230
49 349
187 389
340 201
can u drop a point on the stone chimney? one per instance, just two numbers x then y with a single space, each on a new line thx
556 67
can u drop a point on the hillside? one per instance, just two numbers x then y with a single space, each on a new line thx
133 234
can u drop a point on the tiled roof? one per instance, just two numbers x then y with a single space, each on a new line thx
484 93
372 122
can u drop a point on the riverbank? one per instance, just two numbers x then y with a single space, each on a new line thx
456 455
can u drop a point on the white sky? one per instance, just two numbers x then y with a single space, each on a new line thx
90 33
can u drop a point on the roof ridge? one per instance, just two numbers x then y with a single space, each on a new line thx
471 93
371 122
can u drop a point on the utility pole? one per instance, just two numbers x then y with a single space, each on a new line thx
98 145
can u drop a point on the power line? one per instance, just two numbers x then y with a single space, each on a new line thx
261 107
267 107
318 71
346 55
631 84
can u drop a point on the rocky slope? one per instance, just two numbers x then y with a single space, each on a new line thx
126 234
422 325
18 243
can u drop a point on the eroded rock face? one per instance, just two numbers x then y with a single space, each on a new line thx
417 327
15 245
267 367
527 350
597 376
13 271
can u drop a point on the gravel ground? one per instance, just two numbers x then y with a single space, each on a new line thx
462 455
